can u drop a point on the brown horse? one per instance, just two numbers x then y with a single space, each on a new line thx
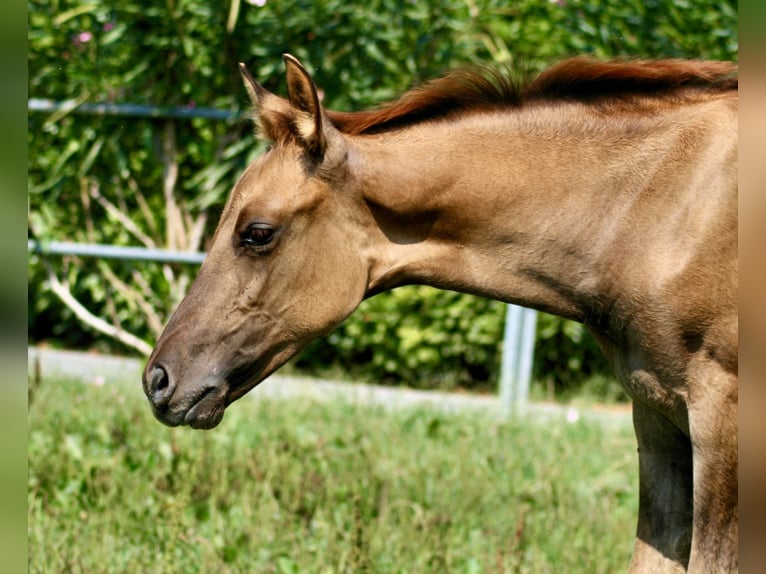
601 192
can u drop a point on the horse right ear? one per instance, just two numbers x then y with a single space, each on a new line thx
270 113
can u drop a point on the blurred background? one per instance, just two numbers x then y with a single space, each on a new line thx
154 179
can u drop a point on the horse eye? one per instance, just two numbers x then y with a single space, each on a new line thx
257 235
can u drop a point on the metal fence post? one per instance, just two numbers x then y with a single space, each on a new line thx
518 352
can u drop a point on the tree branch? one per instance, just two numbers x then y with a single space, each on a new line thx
118 214
143 205
133 296
66 297
175 236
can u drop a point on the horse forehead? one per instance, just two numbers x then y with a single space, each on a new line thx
271 176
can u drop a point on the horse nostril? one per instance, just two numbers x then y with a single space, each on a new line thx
159 388
159 380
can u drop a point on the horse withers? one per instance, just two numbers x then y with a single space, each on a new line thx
603 192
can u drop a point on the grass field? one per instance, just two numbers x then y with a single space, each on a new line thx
301 486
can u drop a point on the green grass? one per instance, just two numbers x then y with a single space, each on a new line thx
307 487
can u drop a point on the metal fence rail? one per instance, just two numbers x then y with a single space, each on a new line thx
128 110
114 252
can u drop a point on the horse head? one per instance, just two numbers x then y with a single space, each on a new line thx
280 271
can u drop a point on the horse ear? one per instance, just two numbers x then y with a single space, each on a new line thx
270 113
255 90
304 98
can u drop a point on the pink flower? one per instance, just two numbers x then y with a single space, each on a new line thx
84 37
108 26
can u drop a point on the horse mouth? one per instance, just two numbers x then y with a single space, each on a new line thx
207 412
201 404
208 407
201 410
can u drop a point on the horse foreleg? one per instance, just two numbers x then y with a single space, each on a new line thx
713 428
664 533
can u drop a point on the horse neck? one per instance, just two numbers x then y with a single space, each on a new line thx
532 207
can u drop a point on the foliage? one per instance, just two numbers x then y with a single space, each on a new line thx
305 486
438 339
163 182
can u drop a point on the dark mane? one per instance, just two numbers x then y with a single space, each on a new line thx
577 79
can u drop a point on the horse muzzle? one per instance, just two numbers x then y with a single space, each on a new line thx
199 404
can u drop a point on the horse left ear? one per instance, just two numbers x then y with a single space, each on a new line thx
255 91
304 99
269 112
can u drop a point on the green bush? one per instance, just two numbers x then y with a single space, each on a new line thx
426 337
88 174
